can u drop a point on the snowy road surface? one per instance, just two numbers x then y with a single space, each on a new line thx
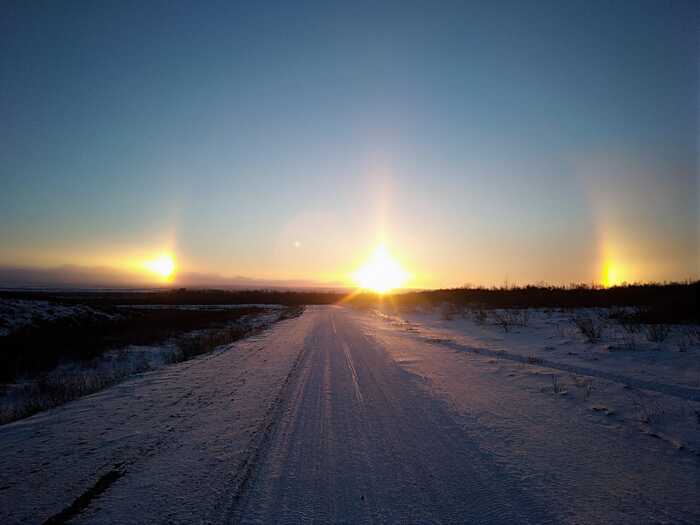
336 417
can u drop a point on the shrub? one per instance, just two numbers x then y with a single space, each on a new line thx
479 316
556 386
591 329
629 341
509 318
657 333
649 410
193 345
501 319
684 344
448 311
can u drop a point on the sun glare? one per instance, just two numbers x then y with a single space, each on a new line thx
612 275
163 266
380 273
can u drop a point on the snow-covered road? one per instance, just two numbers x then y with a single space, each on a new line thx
336 417
360 441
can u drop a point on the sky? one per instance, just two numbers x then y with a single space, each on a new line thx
478 142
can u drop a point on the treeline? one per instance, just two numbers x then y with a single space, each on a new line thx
656 302
181 296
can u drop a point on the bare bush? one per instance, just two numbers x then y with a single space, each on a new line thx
193 345
585 383
630 327
56 388
533 360
561 329
684 344
649 410
510 318
448 311
291 312
694 335
629 341
501 319
479 316
556 385
657 333
591 329
524 317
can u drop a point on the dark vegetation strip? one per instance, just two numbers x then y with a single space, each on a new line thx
671 301
82 501
181 296
41 346
655 303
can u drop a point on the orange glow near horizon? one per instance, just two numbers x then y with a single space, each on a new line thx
380 273
163 266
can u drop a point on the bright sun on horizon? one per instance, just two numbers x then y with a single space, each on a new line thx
612 274
380 273
163 266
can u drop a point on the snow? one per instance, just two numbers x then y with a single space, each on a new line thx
365 417
604 450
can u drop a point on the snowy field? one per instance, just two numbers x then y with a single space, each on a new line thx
18 313
345 416
624 376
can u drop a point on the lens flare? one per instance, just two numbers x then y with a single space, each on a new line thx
381 273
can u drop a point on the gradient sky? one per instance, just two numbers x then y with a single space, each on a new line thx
480 141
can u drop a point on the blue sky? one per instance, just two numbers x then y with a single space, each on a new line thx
528 141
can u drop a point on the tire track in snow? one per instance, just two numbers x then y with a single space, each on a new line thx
260 441
353 372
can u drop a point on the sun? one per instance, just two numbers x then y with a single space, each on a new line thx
380 273
163 265
612 274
